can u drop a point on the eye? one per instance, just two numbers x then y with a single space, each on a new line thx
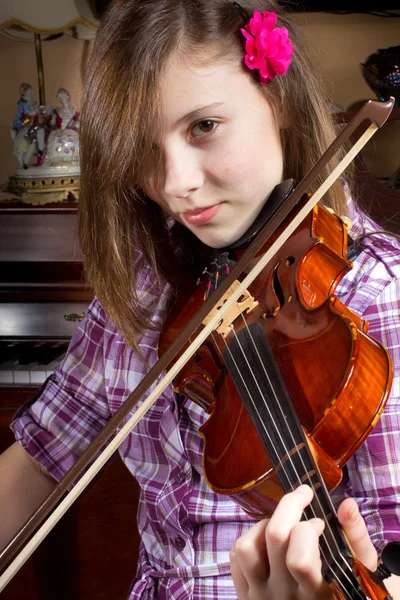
203 127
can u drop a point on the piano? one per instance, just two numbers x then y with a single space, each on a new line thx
43 294
92 552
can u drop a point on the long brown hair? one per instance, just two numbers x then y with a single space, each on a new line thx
120 228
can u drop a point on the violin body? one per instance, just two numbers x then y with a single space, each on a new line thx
338 378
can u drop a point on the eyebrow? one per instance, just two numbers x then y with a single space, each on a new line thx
199 112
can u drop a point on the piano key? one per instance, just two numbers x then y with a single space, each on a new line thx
28 352
8 351
6 377
38 377
22 373
9 365
12 372
21 378
48 353
46 370
51 367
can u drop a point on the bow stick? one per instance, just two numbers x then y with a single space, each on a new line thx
376 113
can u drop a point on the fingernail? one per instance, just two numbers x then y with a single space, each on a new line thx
318 524
303 489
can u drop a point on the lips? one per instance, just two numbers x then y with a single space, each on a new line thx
201 216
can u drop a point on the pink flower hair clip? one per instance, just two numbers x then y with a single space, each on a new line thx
268 48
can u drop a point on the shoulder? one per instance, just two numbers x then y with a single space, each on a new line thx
152 294
152 290
94 322
375 275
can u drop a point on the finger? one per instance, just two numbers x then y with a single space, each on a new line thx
239 580
286 516
357 534
303 559
249 560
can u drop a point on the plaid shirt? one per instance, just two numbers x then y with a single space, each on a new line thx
187 530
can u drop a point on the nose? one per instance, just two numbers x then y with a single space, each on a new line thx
183 172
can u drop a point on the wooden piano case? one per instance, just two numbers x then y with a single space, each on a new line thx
92 552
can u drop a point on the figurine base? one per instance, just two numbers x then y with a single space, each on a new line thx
40 180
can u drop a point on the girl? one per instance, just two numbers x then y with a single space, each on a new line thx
183 142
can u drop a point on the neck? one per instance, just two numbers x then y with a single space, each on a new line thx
272 204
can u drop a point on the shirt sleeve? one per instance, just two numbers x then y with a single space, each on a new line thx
58 424
374 470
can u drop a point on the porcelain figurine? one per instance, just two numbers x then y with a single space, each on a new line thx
28 129
62 145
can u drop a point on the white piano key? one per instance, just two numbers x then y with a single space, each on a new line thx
45 370
7 369
33 374
22 373
38 377
6 377
21 378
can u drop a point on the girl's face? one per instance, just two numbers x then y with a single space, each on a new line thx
220 152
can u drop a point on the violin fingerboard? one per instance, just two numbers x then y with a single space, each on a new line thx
252 366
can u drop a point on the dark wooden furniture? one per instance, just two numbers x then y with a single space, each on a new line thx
92 552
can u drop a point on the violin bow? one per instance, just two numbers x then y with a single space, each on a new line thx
36 528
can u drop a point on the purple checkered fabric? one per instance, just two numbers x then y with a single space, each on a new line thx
186 529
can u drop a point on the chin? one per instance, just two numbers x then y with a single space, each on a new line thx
221 240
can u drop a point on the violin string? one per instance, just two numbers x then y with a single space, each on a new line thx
289 456
291 485
328 527
283 444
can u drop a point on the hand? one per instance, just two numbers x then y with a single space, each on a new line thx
279 557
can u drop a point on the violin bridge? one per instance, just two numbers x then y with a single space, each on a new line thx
245 303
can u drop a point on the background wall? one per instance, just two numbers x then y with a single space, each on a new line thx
338 42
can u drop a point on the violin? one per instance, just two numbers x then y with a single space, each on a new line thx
210 314
293 385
